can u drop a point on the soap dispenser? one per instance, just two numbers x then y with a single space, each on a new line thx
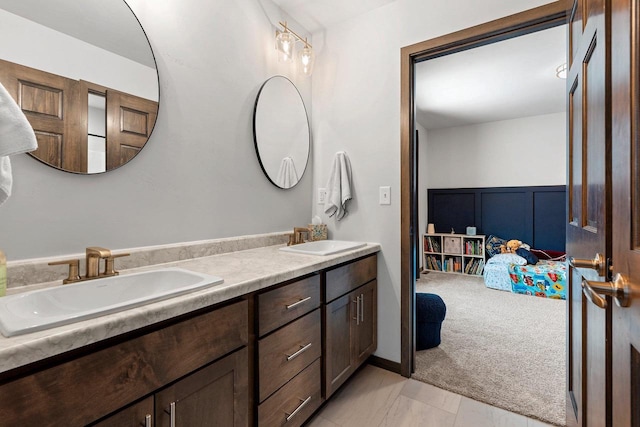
3 274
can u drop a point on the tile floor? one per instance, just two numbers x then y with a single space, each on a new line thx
376 397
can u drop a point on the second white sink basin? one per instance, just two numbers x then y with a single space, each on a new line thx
61 305
323 247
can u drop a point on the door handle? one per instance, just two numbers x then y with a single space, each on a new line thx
618 288
357 303
598 264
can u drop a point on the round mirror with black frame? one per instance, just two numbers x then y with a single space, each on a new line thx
281 132
84 75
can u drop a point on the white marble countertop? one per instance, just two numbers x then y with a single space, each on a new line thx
243 272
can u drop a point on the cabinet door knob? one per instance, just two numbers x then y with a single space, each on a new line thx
147 421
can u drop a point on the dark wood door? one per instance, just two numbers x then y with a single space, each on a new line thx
51 103
130 120
137 415
626 211
339 339
367 331
589 210
216 395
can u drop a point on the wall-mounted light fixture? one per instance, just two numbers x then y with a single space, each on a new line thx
561 71
285 45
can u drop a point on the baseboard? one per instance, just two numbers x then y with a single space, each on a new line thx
385 364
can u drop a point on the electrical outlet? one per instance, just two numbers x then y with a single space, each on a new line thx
385 195
322 196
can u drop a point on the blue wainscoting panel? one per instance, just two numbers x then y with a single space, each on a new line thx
549 209
507 213
535 215
458 214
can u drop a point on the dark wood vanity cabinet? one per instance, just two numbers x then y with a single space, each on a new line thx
350 314
100 383
268 359
289 351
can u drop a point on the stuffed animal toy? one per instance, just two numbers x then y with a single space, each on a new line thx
511 247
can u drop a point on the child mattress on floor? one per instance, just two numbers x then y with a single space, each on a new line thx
496 276
546 279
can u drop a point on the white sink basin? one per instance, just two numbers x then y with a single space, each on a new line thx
46 308
323 247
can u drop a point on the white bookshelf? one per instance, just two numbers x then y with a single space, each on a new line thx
453 253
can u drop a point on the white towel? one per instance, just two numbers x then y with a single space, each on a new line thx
339 186
287 175
16 136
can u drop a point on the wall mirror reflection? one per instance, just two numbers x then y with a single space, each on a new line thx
84 75
281 132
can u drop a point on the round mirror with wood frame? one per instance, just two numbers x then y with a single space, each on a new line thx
84 75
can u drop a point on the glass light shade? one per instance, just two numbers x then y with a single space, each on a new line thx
306 58
285 45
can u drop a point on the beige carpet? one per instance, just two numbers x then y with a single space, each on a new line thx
497 347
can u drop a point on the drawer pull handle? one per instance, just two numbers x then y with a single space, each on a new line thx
357 303
298 409
172 414
147 421
303 348
295 304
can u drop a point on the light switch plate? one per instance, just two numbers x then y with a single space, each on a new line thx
322 196
385 195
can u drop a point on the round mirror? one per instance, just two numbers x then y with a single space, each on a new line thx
281 132
85 77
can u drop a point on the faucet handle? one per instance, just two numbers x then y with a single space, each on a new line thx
109 265
74 268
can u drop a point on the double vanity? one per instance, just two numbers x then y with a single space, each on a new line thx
266 346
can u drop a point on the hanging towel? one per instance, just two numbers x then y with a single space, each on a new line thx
287 175
339 186
16 136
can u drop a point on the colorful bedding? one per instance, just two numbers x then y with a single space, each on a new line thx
546 279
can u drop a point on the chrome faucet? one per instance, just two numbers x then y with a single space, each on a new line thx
93 256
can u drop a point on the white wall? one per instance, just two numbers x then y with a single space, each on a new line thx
198 176
520 152
40 47
356 107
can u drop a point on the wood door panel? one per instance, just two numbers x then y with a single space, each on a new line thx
130 120
52 105
595 144
589 213
367 336
216 395
625 375
339 342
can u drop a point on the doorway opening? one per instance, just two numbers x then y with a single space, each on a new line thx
531 21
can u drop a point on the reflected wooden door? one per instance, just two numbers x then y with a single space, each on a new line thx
626 212
130 120
589 211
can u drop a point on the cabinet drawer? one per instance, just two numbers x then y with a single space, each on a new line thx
297 400
91 386
286 352
282 305
344 279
